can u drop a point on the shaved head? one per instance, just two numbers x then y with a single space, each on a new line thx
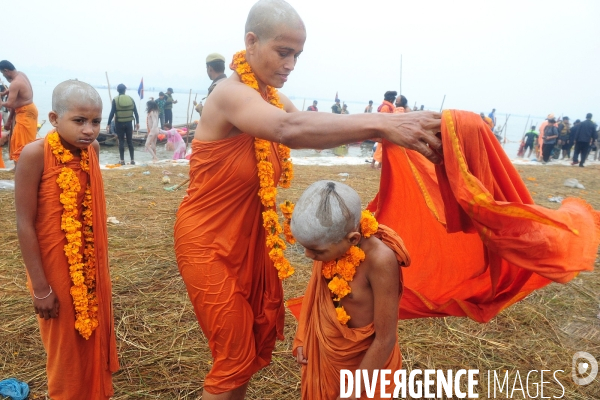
71 92
267 15
326 212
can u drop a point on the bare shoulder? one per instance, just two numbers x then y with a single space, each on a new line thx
96 147
31 161
380 258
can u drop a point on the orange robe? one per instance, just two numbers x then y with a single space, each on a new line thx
223 260
24 130
477 242
77 368
330 346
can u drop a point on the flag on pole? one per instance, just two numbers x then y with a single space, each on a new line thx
336 97
141 89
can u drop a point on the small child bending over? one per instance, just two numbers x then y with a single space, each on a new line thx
61 225
175 142
153 128
349 313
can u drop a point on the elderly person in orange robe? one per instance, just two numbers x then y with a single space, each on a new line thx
220 241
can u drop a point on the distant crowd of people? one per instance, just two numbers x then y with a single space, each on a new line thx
557 137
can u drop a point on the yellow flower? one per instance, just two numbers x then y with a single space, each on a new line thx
342 317
328 269
287 208
368 224
266 173
339 287
356 255
267 196
81 266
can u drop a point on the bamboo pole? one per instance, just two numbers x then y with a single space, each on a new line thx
187 139
107 81
443 100
303 103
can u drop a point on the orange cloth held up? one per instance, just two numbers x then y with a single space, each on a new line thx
477 242
1 151
76 368
223 260
330 346
24 130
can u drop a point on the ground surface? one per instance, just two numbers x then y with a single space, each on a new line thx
164 354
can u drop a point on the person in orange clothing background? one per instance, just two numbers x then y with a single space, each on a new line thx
22 121
358 262
386 107
61 225
232 275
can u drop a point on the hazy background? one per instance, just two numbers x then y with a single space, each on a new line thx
520 57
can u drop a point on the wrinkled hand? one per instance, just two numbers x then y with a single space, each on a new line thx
47 308
300 359
417 131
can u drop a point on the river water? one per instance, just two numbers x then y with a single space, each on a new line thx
515 125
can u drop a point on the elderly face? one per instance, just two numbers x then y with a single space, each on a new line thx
274 59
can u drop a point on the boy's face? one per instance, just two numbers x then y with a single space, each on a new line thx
79 126
332 251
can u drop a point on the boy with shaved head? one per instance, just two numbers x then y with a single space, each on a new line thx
355 329
61 225
220 242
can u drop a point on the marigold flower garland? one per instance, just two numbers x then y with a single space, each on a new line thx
268 190
82 268
340 272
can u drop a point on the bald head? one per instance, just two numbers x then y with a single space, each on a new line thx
267 15
326 212
72 92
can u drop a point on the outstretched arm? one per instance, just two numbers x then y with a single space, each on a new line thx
247 111
27 180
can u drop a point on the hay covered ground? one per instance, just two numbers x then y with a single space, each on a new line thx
164 354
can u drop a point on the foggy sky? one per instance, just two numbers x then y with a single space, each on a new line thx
521 57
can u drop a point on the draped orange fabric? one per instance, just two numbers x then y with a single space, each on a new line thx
77 368
477 242
330 346
25 129
223 260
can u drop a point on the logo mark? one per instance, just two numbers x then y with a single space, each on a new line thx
580 368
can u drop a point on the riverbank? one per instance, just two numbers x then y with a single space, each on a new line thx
164 354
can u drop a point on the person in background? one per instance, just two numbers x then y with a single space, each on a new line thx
124 111
530 139
169 106
153 128
161 102
550 138
584 138
487 120
313 107
215 69
564 134
401 105
492 116
542 129
387 105
22 119
345 109
369 108
175 142
336 108
422 108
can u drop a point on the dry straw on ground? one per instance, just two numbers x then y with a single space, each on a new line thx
164 354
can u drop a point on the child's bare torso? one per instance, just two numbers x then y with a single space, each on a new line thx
360 303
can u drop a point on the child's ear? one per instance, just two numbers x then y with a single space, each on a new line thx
53 118
353 238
